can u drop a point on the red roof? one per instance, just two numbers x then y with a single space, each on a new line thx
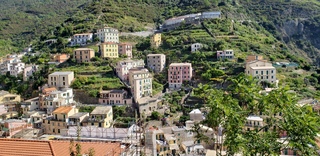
25 147
21 147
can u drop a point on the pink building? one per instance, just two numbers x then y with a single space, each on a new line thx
178 73
124 66
14 126
115 97
125 49
3 109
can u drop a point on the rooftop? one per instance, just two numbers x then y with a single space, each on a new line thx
156 55
82 34
264 67
138 70
101 110
108 43
78 115
61 73
84 49
254 118
125 43
188 143
180 64
195 111
19 147
33 99
63 109
129 60
2 92
45 90
54 148
145 100
112 91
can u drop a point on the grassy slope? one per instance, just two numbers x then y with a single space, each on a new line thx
23 20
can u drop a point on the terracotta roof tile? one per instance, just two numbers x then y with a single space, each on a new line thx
61 148
48 90
19 147
63 109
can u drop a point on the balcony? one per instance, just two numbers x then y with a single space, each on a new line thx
96 120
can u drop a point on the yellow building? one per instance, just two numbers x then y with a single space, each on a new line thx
109 50
155 40
101 116
54 124
9 100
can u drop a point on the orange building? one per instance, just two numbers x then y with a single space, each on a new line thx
59 58
83 55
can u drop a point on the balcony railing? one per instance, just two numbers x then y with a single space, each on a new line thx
96 120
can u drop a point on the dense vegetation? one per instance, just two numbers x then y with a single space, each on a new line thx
23 20
230 107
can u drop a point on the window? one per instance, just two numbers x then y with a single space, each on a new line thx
261 77
256 72
53 130
261 72
58 130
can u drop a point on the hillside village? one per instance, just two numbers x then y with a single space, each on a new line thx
145 104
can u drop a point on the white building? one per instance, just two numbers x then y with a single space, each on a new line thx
61 79
196 46
16 68
30 105
58 98
261 70
156 62
140 81
226 54
253 122
13 64
108 34
81 39
28 71
212 14
196 115
124 66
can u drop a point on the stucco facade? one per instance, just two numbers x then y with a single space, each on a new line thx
226 54
101 116
108 34
61 79
114 97
178 73
83 55
155 40
124 66
261 70
109 50
140 81
125 49
156 62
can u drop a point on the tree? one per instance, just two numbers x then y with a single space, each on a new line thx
229 108
91 152
155 115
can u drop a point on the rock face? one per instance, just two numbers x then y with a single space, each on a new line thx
292 27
